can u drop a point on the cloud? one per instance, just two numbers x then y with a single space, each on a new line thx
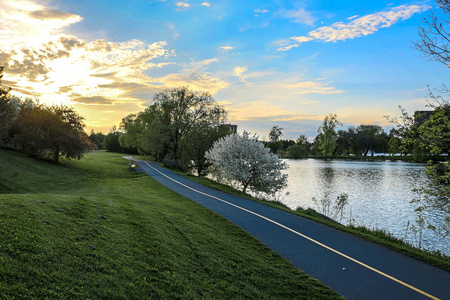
182 6
23 19
287 48
55 15
300 16
60 68
93 100
206 4
239 72
360 26
227 48
196 80
260 11
353 17
260 110
313 87
201 64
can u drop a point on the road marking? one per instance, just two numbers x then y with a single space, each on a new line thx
302 235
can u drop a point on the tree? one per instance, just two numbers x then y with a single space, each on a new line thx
97 139
244 159
326 137
435 37
275 145
435 196
176 120
346 141
7 112
302 140
112 142
298 151
179 109
51 131
426 131
371 138
196 143
431 131
275 134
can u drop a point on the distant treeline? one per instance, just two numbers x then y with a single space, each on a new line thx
422 135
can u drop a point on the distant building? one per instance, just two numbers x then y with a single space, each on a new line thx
232 128
420 116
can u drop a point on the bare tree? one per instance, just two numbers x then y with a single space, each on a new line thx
435 36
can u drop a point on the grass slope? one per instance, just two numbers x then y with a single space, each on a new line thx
90 229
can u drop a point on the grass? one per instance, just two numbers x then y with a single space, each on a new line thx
90 229
380 237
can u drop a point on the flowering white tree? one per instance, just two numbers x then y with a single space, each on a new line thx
243 159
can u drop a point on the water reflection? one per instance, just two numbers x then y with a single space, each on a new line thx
379 193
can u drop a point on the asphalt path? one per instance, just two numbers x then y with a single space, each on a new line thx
353 267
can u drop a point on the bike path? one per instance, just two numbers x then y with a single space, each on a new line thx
353 267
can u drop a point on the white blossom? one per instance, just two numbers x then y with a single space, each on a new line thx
243 159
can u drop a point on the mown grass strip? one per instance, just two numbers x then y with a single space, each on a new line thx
93 229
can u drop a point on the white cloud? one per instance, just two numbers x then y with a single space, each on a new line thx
227 48
300 16
182 6
22 20
239 72
206 4
287 48
201 64
196 80
261 11
361 26
313 87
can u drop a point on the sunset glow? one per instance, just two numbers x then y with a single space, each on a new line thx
285 63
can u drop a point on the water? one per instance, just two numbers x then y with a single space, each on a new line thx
379 194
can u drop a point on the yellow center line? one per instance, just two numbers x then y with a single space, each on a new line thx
302 235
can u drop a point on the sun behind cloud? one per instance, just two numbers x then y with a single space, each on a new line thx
43 61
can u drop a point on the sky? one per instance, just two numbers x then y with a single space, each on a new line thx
269 63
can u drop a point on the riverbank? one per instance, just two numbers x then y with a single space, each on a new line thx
381 237
408 158
93 229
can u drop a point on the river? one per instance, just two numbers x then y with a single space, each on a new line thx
379 194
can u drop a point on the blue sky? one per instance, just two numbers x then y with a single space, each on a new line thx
285 63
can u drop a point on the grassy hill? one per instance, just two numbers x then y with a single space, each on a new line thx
91 229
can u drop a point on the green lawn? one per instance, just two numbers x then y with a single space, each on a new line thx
90 229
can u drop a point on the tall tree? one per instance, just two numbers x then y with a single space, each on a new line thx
196 143
181 109
177 127
326 137
431 131
275 134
